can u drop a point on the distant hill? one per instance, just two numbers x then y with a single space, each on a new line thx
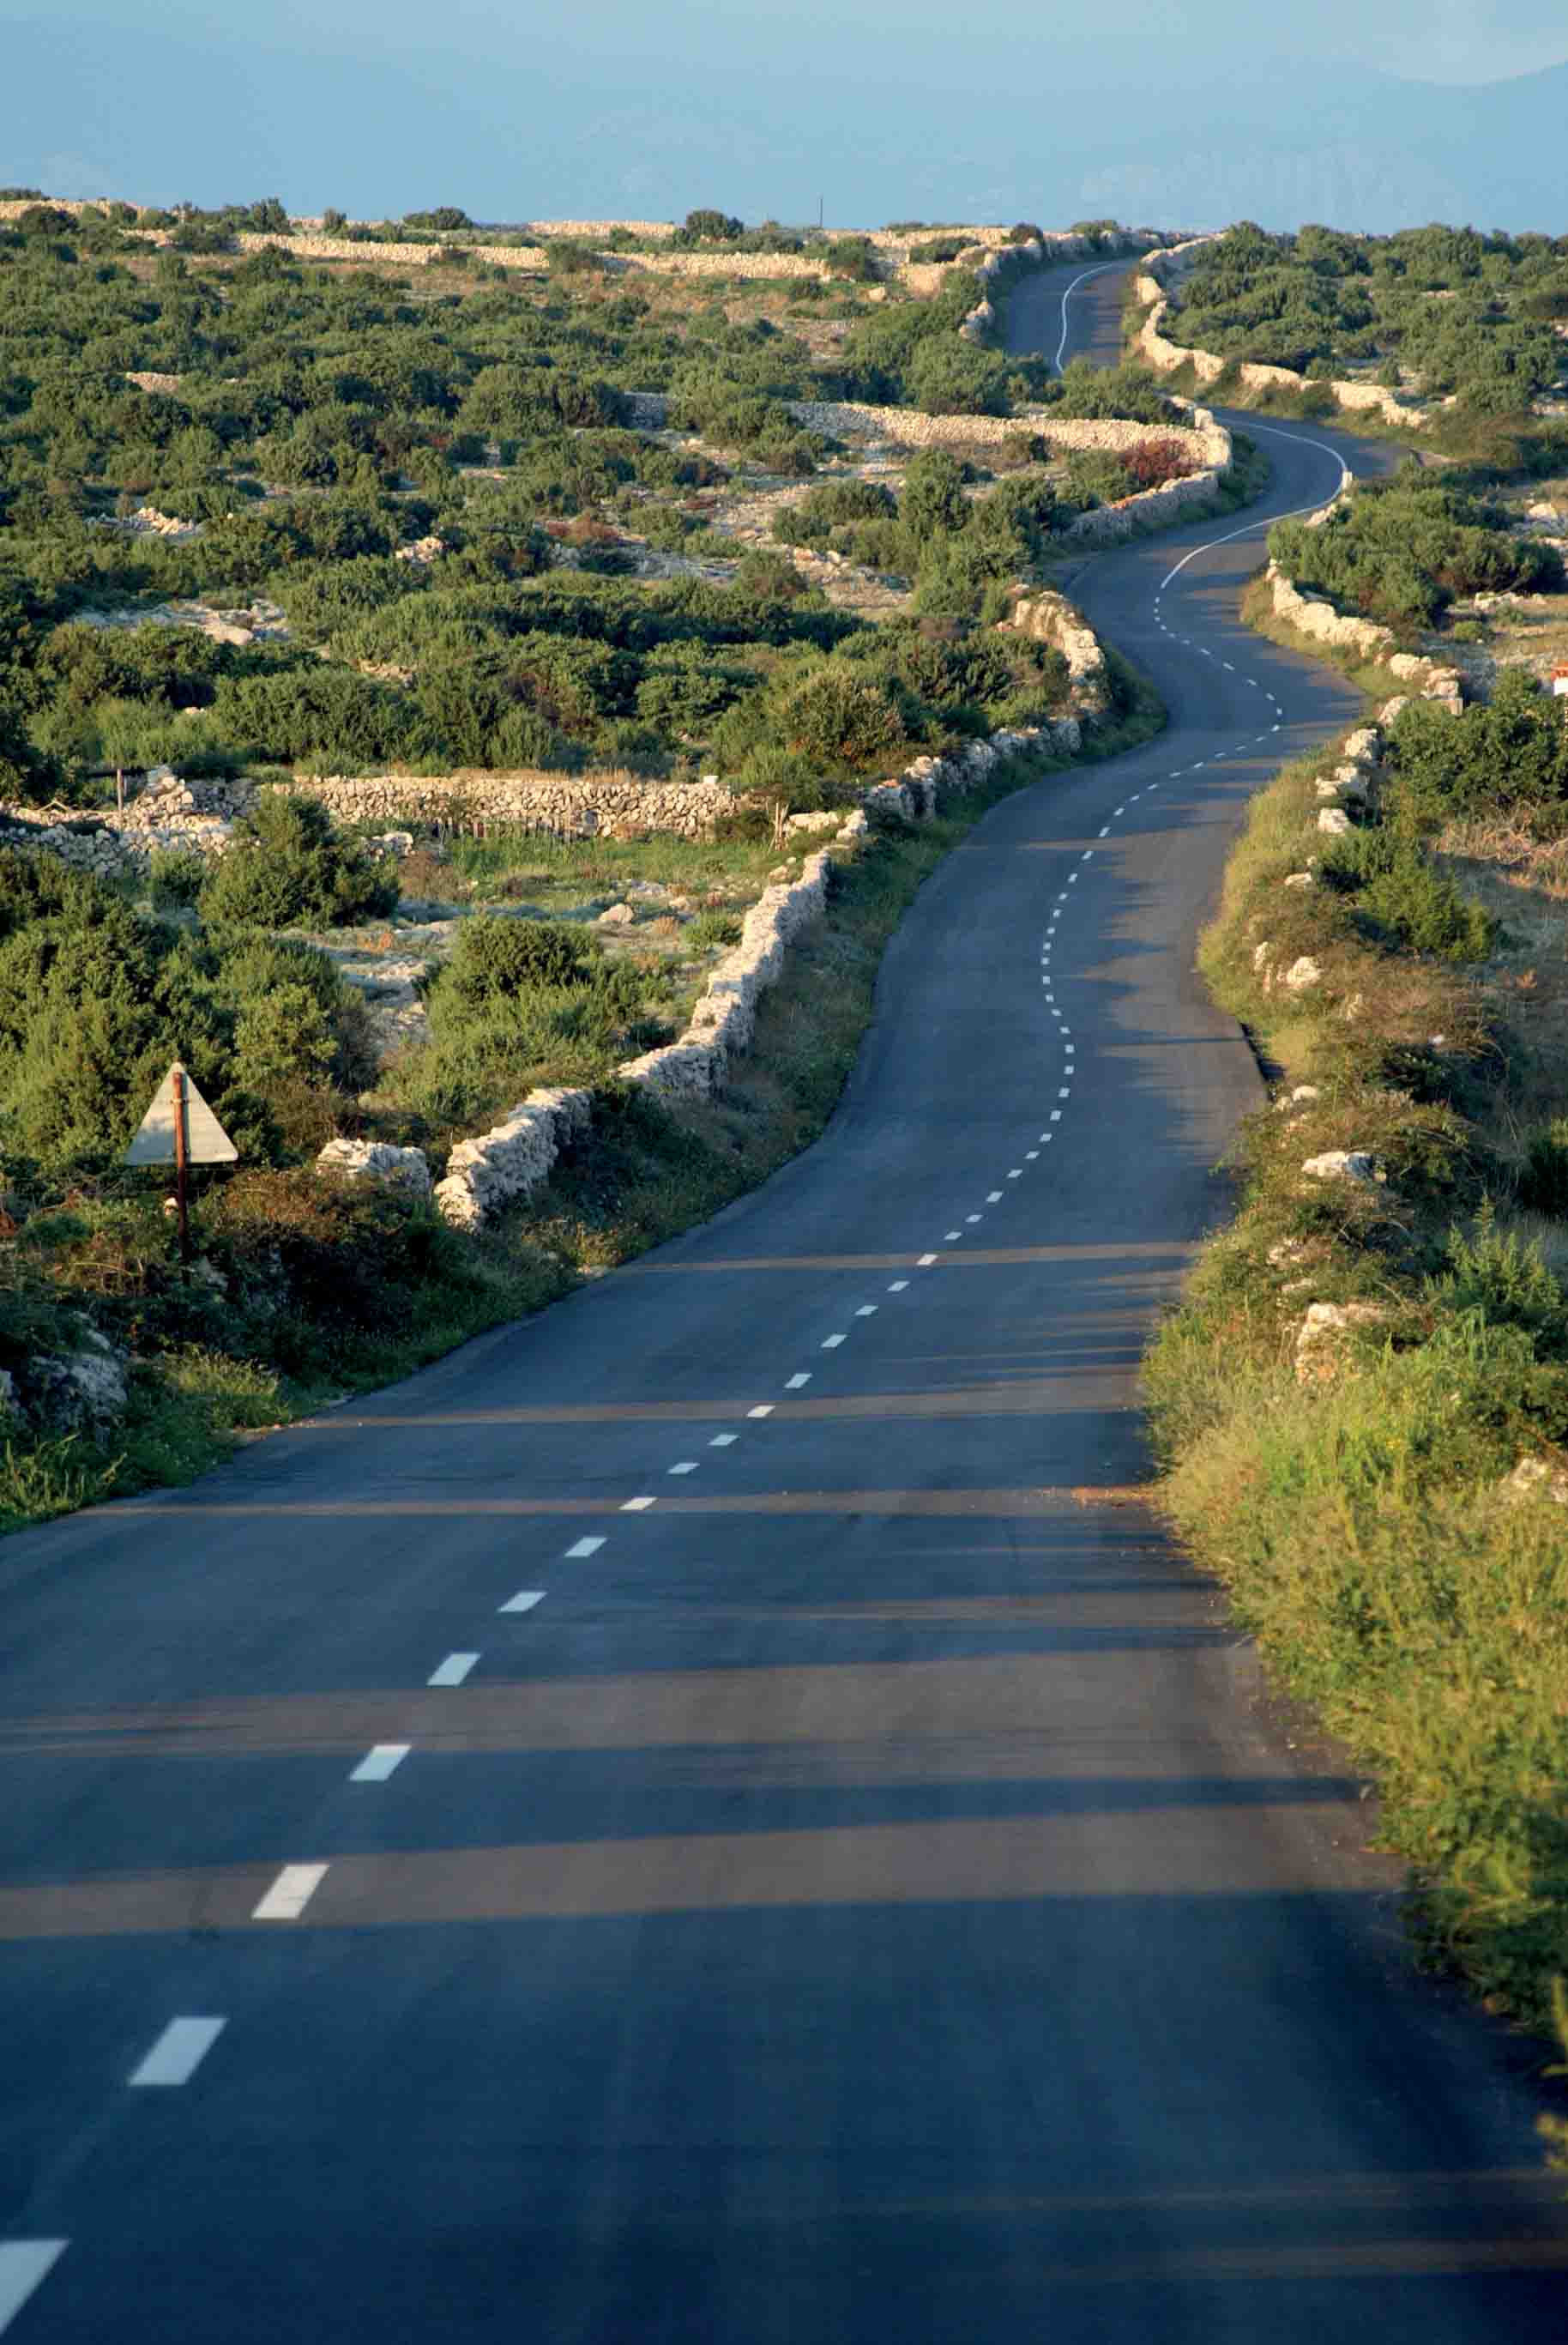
923 134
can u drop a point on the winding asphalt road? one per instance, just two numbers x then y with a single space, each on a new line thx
711 1818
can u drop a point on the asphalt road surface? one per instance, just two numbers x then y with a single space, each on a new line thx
709 1818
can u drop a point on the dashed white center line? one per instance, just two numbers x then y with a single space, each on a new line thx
381 1759
1066 1091
23 2264
1105 832
831 1342
1067 1048
1055 1118
292 1890
898 1286
993 1196
636 1506
581 1550
952 1236
686 1466
453 1670
926 1262
723 1440
178 2052
1017 1173
1120 812
526 1600
1072 879
801 1376
972 1218
765 1409
1033 1153
867 1311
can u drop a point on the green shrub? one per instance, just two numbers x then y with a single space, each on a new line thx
1542 1181
178 877
287 867
496 959
829 712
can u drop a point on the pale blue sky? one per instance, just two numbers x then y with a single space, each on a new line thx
1162 113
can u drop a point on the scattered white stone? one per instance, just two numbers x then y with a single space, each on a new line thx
618 916
1302 974
1334 821
1301 879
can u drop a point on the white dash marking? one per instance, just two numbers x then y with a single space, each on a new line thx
1067 1048
831 1342
973 1218
926 1262
1104 833
1032 1154
178 2052
1087 855
1072 879
636 1506
381 1759
1120 812
1017 1173
993 1196
867 1311
581 1550
525 1600
802 1376
23 2264
765 1409
1066 1091
723 1440
1055 1118
952 1236
686 1466
453 1670
292 1890
898 1286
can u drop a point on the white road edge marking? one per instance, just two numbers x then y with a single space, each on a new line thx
293 1890
867 1311
23 2264
581 1550
381 1759
178 2052
898 1286
453 1670
1082 278
525 1600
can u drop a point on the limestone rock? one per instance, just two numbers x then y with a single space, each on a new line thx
1302 974
618 916
1334 821
1300 880
1321 1330
78 1392
1342 1164
377 1160
1533 1477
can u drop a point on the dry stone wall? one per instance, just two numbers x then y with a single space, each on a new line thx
514 1156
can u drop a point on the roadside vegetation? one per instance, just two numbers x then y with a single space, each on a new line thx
1361 1405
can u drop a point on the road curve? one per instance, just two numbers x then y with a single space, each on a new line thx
709 1815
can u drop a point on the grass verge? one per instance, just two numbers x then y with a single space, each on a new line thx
1380 1485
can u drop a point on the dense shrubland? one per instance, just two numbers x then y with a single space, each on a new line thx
1447 310
1401 551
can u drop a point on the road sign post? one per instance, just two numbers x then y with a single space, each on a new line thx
181 1130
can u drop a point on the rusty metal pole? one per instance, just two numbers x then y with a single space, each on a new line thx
181 1165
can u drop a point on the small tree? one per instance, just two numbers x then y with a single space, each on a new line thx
707 226
287 866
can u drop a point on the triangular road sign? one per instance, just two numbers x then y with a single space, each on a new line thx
207 1142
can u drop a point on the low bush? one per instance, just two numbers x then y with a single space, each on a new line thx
288 867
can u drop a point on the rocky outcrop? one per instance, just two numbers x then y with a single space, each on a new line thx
1319 1342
